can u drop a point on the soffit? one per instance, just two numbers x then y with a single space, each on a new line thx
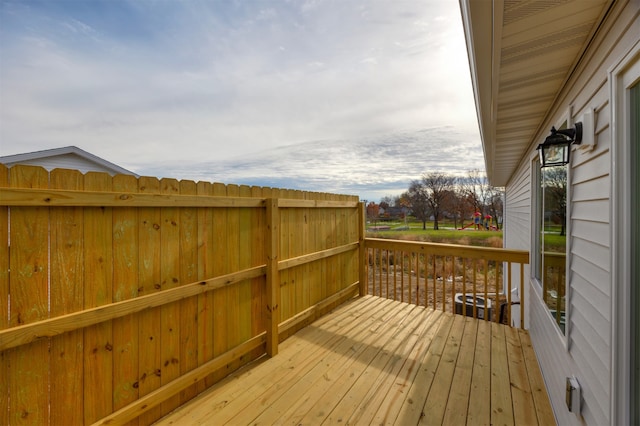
521 54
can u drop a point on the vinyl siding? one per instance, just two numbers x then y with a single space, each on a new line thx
68 161
585 351
518 211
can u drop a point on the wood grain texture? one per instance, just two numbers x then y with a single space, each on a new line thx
67 296
125 287
29 366
98 291
377 361
149 260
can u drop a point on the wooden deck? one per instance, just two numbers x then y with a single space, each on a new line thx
376 361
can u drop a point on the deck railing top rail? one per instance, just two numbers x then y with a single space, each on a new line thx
122 297
458 250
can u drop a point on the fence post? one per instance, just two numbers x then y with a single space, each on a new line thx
273 280
362 252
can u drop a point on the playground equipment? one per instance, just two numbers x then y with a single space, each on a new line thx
487 224
466 226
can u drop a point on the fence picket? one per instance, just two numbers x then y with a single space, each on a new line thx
188 274
67 296
258 257
125 287
98 339
149 260
245 234
220 267
205 270
169 278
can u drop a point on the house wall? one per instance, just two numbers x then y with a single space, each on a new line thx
585 350
68 161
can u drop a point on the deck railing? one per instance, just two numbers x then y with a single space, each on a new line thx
460 279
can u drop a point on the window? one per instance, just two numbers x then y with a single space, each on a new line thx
551 239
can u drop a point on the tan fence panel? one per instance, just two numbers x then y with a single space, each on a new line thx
136 237
126 264
149 260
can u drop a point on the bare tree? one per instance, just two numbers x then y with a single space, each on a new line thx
438 187
386 202
457 204
555 182
495 203
476 188
416 199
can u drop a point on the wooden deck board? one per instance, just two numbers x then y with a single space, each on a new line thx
479 412
436 403
458 398
375 361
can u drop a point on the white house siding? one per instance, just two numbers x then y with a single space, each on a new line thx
517 225
585 352
68 161
518 211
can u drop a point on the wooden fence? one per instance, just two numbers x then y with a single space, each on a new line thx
123 297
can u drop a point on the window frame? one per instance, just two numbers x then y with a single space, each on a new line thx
622 76
564 121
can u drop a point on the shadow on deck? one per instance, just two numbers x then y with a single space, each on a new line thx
377 361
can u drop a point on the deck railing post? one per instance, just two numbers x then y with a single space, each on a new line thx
273 280
362 253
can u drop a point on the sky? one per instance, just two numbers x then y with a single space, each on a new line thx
149 82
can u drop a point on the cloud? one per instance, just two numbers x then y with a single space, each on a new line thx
177 82
370 167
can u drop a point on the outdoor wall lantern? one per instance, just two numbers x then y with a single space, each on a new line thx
556 148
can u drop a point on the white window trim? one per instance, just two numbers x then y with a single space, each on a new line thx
621 77
565 119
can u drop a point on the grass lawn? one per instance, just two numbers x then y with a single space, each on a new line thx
446 234
555 242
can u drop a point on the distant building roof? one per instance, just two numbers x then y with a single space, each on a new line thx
69 157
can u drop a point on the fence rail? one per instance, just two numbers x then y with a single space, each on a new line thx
442 275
